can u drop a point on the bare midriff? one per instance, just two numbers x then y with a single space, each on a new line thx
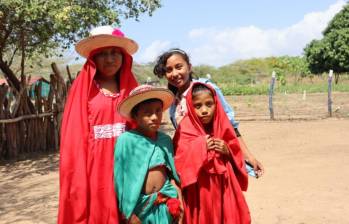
155 179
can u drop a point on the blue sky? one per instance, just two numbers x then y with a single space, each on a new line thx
222 31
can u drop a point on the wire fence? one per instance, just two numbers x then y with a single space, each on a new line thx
290 106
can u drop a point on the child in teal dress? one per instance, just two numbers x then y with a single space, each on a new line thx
145 178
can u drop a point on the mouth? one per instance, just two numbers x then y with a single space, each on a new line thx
110 66
177 81
153 125
205 118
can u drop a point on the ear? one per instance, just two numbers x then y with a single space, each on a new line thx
134 114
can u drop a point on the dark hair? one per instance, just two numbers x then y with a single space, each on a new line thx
198 88
135 109
160 66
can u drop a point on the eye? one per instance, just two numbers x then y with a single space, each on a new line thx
146 111
115 54
197 105
179 66
102 54
168 69
209 104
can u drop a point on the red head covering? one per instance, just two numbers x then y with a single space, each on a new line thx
74 155
191 153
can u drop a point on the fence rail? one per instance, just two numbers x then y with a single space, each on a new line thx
31 124
290 106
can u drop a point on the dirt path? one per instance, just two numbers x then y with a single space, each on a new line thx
307 165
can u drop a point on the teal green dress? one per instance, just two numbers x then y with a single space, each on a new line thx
134 155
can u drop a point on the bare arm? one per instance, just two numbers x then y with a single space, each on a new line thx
257 166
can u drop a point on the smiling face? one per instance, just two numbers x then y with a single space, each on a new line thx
108 61
148 116
178 72
204 106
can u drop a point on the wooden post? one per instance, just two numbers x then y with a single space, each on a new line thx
69 75
271 90
329 94
208 76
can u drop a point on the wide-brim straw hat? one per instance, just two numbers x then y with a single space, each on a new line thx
142 93
105 36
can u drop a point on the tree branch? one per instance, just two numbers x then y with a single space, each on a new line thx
9 75
23 54
7 34
12 57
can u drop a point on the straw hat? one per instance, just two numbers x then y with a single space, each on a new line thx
142 93
105 36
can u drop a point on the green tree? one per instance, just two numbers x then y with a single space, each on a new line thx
339 21
203 70
296 66
31 29
332 51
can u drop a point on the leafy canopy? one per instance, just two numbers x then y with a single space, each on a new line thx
47 24
36 28
332 51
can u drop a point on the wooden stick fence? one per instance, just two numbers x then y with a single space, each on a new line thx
29 125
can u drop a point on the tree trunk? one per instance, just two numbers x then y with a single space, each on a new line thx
9 75
23 58
336 78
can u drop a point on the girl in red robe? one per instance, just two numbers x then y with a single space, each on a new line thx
209 162
90 125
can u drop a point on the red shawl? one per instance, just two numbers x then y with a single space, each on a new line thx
75 159
211 182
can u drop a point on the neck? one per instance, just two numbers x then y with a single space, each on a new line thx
104 78
208 128
184 87
150 134
108 84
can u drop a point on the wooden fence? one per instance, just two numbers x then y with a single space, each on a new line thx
31 124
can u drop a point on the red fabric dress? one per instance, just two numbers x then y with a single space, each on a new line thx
212 183
89 128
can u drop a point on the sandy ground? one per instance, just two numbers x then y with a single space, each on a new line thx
306 166
306 162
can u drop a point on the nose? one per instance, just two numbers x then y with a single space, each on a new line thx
175 73
110 57
154 117
204 111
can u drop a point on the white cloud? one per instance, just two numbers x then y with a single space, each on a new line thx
222 46
219 47
150 53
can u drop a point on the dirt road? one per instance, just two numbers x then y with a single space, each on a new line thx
306 179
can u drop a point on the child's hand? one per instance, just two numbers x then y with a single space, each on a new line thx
220 146
134 220
181 216
257 166
209 142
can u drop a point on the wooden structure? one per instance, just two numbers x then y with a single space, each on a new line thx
29 125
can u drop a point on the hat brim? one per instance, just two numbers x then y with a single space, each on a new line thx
125 107
87 45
